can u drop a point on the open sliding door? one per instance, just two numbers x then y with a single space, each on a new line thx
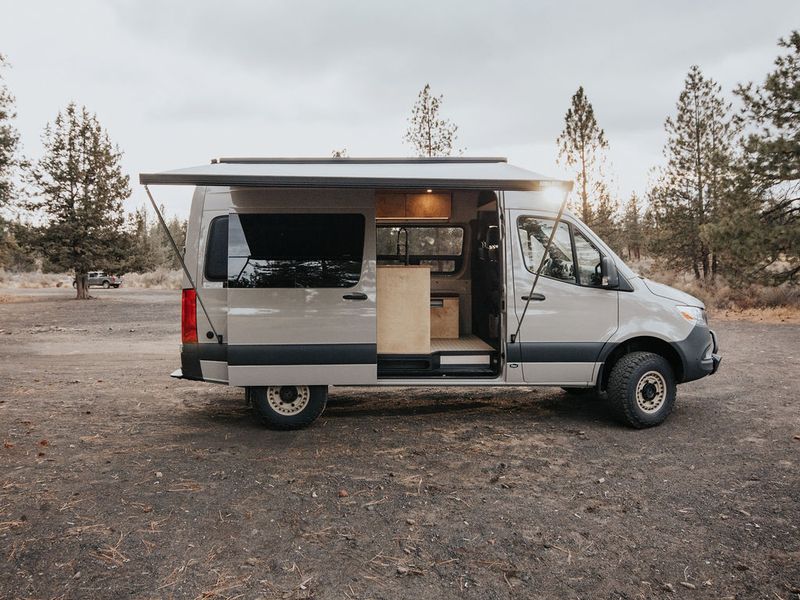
301 291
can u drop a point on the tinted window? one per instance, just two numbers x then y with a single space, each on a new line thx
439 247
295 250
216 265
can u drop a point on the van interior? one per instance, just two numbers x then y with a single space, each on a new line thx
439 283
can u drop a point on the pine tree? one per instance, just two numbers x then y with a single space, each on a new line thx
762 212
581 147
632 227
141 257
427 132
698 174
9 145
605 222
80 188
9 141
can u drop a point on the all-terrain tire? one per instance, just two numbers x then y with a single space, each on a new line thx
106 285
289 407
641 389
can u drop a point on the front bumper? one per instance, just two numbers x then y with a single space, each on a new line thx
699 354
716 359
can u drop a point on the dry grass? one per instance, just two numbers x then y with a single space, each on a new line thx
723 298
34 280
158 279
161 279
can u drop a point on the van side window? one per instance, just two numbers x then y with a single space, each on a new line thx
295 250
533 235
440 247
216 264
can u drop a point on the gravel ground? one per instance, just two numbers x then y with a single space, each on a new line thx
116 481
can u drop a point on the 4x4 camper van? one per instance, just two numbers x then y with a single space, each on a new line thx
306 273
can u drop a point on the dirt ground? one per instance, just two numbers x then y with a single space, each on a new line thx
118 482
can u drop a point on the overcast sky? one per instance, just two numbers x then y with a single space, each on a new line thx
178 83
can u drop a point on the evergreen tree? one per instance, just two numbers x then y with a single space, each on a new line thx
9 145
605 222
80 188
649 229
9 141
149 247
427 132
762 212
142 256
698 174
632 227
581 147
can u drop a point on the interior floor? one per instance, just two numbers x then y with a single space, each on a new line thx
463 343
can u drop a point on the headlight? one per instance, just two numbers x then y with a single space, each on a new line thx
693 314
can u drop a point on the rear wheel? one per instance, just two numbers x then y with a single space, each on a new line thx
106 285
641 389
289 406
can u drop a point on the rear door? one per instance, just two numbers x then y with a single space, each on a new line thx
301 295
570 317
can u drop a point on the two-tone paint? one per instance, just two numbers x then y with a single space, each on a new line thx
318 337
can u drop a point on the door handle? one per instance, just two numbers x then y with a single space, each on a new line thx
355 296
534 297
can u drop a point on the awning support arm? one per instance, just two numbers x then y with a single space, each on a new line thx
541 266
183 264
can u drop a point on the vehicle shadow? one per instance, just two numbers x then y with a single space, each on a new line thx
507 405
538 404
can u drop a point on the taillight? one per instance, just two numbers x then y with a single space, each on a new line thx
189 317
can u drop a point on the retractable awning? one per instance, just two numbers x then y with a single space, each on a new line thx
435 173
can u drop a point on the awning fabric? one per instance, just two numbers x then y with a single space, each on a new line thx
434 173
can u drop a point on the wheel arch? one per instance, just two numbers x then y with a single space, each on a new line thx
640 344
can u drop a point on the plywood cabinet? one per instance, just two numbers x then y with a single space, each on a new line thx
413 205
444 317
404 324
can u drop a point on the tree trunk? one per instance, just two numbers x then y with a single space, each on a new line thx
696 270
81 286
705 265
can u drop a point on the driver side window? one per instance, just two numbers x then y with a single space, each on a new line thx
588 261
572 258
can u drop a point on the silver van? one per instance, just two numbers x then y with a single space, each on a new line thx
306 273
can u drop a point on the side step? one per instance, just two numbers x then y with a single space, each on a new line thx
439 364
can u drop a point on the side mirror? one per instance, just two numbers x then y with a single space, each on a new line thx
609 273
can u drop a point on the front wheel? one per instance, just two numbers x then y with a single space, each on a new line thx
106 285
641 389
289 406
